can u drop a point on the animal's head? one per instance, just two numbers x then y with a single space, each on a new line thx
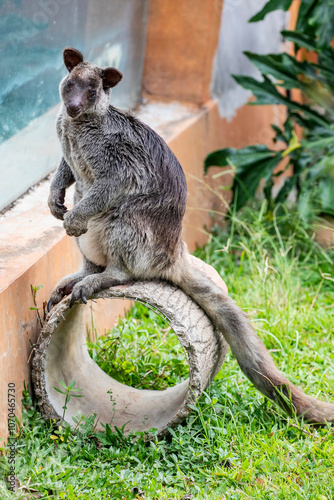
86 87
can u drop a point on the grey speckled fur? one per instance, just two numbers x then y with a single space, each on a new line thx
130 198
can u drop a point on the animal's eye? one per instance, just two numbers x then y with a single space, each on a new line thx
92 93
68 85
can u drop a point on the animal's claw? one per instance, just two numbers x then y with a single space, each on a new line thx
61 206
81 297
49 305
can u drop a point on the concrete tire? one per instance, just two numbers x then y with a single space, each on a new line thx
61 354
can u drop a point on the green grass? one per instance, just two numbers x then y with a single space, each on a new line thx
236 444
141 351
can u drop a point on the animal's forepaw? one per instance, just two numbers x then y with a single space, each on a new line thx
81 292
56 204
74 225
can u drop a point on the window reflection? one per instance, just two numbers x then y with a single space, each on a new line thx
32 37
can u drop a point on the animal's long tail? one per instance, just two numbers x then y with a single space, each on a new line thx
252 356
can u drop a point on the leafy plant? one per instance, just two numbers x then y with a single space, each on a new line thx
68 389
34 290
308 131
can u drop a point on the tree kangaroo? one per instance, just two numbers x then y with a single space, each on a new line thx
130 199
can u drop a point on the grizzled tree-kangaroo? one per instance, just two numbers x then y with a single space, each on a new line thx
130 198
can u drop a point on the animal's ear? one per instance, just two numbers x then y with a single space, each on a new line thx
72 57
111 77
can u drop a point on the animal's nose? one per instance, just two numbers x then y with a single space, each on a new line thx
73 109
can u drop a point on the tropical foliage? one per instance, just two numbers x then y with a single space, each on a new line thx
308 132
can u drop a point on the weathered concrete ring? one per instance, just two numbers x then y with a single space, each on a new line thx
61 354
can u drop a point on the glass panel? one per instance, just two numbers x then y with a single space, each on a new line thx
32 37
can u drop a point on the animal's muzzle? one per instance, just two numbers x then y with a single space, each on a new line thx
73 110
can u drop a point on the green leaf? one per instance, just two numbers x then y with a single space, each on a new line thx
63 384
266 93
270 7
325 55
58 390
300 39
301 162
325 30
268 189
279 134
284 192
307 7
241 158
253 163
305 205
319 144
307 123
325 167
326 190
283 67
247 178
320 16
109 432
127 366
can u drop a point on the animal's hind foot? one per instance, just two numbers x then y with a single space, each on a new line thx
63 288
66 285
59 293
86 288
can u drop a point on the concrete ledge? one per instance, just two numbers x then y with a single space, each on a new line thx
34 248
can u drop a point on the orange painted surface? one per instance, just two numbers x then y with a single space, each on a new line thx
251 125
19 327
294 9
181 41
